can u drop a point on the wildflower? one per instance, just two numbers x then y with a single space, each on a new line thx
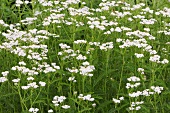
165 61
141 70
73 70
135 105
33 110
5 73
42 83
130 19
30 78
112 29
18 3
87 97
58 99
138 107
86 63
81 57
117 29
135 94
152 52
80 41
119 40
129 85
133 78
71 78
155 58
33 85
157 89
65 106
116 100
27 2
94 104
50 111
22 63
85 70
139 55
3 79
25 87
16 81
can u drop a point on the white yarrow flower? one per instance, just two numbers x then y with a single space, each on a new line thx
65 106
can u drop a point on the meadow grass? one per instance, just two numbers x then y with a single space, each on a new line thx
84 56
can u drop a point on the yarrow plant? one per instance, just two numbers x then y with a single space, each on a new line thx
84 56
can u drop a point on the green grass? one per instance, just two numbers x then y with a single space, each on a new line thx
80 57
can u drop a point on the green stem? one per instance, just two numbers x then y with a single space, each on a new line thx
21 99
37 96
120 82
48 90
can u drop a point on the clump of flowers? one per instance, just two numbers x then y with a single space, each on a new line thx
86 97
57 100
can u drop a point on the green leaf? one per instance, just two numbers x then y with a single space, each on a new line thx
104 104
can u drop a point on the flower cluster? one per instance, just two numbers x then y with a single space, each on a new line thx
118 100
147 92
74 57
57 100
135 82
87 97
141 70
4 76
33 110
135 105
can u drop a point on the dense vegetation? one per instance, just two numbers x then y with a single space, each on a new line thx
84 56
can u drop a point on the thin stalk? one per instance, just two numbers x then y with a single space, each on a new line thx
121 75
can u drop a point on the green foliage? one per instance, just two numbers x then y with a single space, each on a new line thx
90 73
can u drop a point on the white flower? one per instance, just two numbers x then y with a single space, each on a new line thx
80 41
25 87
131 108
50 111
33 85
81 57
116 100
135 94
133 78
13 68
30 78
65 106
119 40
129 85
5 73
117 29
141 70
18 3
16 80
71 78
91 26
112 29
86 63
3 79
157 89
27 2
138 107
165 61
87 97
121 98
139 55
22 63
155 58
33 110
94 104
152 52
42 83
